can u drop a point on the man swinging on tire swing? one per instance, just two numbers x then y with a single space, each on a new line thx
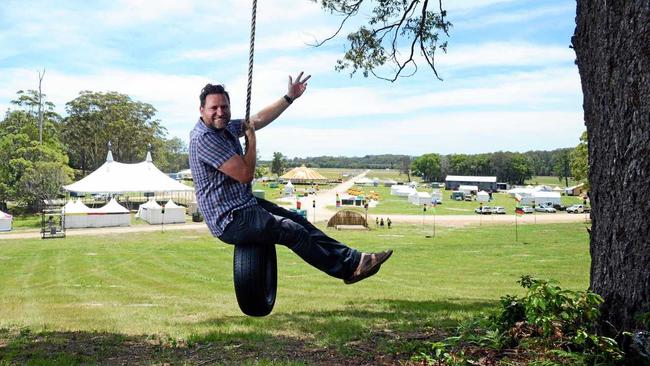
223 173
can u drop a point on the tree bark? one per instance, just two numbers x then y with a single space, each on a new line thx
612 45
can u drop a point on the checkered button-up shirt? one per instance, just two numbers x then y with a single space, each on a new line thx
217 194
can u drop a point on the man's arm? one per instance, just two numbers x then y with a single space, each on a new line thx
242 169
270 113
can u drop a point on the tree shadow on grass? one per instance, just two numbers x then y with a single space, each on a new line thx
381 332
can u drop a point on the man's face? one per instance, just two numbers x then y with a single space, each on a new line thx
216 112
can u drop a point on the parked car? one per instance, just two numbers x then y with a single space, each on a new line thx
484 210
559 207
526 209
468 197
457 196
540 208
577 209
498 210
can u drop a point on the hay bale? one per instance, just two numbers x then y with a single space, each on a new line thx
347 217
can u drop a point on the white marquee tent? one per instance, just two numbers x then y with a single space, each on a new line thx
115 177
482 196
420 198
401 190
5 221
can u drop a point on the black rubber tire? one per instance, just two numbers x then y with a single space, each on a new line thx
255 272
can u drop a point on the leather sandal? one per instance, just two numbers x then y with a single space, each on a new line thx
368 266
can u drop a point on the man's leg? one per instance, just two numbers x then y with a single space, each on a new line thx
259 226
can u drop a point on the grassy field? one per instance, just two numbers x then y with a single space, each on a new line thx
551 181
168 296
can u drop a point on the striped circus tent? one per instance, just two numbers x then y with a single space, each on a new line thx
303 174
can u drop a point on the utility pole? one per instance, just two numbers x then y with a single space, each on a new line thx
40 107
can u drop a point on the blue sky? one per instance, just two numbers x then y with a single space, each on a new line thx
510 82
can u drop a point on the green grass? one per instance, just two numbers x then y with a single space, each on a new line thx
180 283
160 293
26 222
551 181
393 174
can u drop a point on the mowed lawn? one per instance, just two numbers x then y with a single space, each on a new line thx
179 284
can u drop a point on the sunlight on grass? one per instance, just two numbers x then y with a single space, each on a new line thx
180 283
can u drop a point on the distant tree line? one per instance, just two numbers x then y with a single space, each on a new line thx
77 144
511 167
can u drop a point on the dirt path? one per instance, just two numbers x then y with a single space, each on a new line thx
326 198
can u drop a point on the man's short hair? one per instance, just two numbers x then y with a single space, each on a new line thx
212 89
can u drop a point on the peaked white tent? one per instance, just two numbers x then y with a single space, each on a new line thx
76 214
148 210
111 214
288 189
5 221
174 214
115 177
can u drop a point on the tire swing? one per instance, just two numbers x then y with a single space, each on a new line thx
255 269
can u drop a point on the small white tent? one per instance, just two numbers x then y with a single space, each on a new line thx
111 214
363 181
5 221
546 198
436 196
401 190
420 198
482 196
174 214
150 212
155 214
288 189
76 214
468 189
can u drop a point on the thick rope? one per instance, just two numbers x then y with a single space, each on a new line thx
249 90
250 62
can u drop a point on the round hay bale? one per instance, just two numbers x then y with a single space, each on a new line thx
347 217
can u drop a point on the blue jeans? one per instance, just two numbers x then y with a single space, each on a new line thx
269 224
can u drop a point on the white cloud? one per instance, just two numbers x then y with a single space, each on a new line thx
460 7
503 54
502 18
444 133
140 12
287 41
540 89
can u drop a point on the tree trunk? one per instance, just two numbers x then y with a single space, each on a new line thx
612 44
